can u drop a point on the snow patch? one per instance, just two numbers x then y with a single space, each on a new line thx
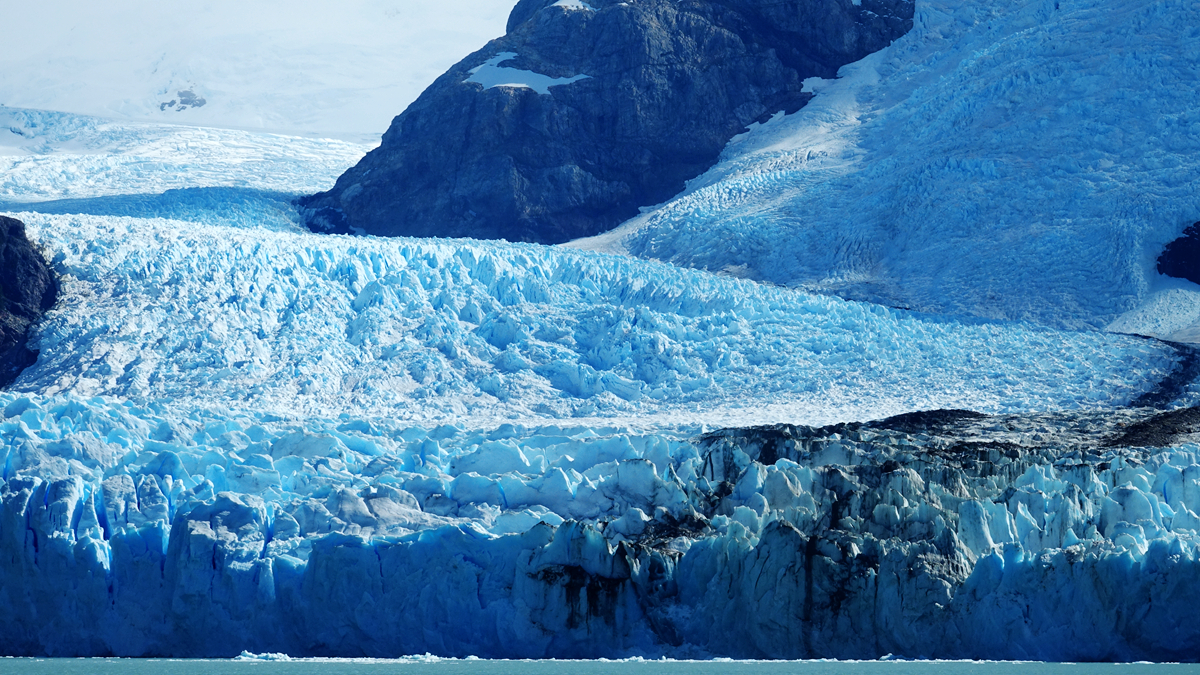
491 75
574 5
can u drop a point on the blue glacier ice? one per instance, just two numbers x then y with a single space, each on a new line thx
199 315
239 436
238 439
206 534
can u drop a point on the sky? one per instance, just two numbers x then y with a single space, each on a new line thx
296 66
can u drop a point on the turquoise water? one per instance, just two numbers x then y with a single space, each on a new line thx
482 667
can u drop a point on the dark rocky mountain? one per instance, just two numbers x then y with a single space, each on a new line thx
626 101
1181 258
27 289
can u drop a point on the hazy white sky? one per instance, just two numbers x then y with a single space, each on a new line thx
283 65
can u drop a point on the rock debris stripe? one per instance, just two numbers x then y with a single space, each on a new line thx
558 156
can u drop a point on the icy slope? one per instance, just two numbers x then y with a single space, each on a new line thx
285 66
50 156
1021 160
209 316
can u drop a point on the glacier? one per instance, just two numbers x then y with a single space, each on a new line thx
241 436
951 534
435 330
48 156
1050 144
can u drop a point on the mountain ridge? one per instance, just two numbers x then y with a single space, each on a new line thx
655 91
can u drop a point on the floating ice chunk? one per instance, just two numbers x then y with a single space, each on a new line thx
265 656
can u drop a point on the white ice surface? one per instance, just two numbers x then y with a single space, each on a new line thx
49 156
294 66
492 74
203 315
1020 160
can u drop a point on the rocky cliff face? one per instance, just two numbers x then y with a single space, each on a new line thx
27 289
585 111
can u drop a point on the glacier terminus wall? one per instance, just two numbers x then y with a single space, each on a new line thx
946 534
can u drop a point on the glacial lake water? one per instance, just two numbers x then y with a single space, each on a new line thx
485 667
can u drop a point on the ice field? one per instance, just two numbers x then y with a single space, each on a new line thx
48 156
241 435
1049 144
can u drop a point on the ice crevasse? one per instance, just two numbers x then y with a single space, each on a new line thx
266 485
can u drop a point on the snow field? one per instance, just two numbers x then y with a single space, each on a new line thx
1024 160
492 74
52 156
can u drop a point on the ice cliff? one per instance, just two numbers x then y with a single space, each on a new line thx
946 534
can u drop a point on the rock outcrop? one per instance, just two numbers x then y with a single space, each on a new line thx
1181 258
583 112
27 289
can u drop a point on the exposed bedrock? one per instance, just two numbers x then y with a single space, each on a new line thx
27 289
943 534
621 103
1181 258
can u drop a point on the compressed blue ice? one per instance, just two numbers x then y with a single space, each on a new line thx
239 435
200 315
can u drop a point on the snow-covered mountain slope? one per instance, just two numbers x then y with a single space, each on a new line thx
299 66
51 156
1020 160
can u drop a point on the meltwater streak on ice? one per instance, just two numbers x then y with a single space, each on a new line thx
1022 160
